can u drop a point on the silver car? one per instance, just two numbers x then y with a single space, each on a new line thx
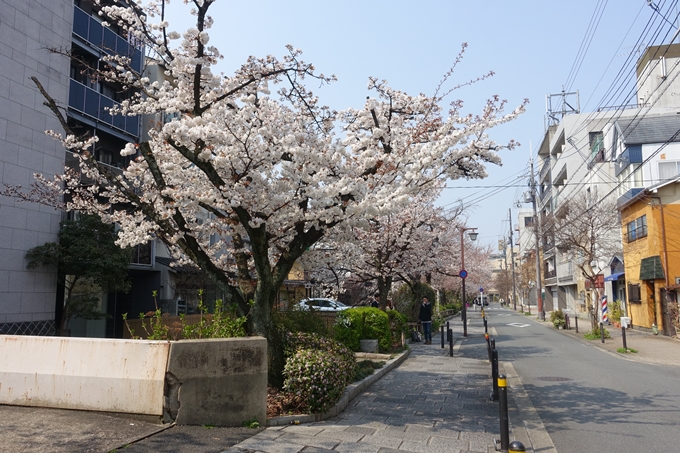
321 304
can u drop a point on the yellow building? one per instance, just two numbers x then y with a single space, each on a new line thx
650 222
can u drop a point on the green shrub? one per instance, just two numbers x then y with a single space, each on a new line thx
557 318
398 325
355 324
296 320
365 368
317 369
616 311
595 334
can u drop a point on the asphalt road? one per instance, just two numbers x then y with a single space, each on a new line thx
588 399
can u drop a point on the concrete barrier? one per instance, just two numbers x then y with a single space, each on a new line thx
83 373
190 382
220 382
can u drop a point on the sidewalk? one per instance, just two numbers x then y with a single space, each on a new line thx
651 349
431 403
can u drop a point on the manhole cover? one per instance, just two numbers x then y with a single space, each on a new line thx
553 378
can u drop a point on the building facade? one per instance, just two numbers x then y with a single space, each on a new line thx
27 29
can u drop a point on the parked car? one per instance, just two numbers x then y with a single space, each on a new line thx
321 304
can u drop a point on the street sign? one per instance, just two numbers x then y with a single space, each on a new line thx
462 273
481 290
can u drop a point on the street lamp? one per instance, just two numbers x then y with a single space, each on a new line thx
463 272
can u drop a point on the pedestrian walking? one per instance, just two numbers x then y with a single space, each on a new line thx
375 303
425 318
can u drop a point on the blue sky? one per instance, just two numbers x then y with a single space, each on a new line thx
534 47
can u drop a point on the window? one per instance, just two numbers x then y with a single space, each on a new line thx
634 293
637 229
528 221
668 170
596 142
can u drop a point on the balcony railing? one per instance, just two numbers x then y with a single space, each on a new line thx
545 195
545 169
92 31
94 104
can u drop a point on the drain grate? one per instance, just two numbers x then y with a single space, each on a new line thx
553 378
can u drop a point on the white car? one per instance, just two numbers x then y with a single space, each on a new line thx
321 304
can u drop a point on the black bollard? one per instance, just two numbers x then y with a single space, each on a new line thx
442 335
493 344
623 336
503 411
516 447
494 375
576 322
566 322
602 332
486 330
488 346
451 343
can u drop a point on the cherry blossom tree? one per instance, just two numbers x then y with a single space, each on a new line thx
401 246
254 158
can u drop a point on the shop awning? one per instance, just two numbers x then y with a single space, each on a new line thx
651 269
610 278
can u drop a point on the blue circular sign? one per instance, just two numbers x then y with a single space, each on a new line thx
481 290
462 273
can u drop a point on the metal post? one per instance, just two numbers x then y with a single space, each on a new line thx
623 336
451 343
566 322
464 314
488 346
602 332
494 374
537 231
486 330
512 256
442 335
503 411
576 322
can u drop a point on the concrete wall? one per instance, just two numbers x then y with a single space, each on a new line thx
27 29
82 373
223 382
217 381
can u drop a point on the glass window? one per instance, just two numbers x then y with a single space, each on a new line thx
668 170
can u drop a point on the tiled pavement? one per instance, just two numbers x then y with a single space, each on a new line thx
430 403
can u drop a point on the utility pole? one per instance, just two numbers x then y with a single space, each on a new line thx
512 258
537 230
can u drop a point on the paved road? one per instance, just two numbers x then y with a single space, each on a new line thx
590 398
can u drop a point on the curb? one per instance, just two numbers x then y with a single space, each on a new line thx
348 395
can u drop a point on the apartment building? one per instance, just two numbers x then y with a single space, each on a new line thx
29 299
601 153
27 29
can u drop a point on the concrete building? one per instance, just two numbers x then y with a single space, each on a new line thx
27 297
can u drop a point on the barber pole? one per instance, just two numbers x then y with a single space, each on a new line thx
605 318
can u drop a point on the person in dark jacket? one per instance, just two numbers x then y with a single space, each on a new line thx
425 318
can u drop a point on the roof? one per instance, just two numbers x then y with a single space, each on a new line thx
649 129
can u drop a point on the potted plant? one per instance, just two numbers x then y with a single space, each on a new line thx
557 319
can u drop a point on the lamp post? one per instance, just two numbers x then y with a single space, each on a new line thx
463 272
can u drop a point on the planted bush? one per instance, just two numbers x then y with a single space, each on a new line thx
557 319
355 324
317 370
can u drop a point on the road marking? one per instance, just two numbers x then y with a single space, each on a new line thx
516 324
